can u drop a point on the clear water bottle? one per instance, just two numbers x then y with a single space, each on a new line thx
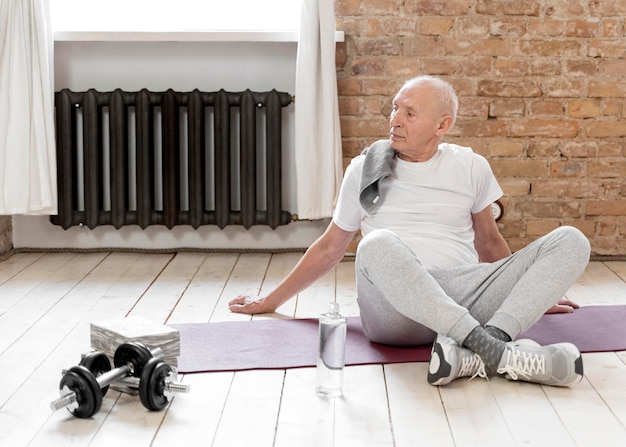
332 352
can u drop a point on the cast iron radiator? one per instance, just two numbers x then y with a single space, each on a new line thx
169 158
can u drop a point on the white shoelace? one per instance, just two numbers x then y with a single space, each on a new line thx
524 364
473 366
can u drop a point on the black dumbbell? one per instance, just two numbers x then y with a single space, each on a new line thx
81 389
156 385
98 363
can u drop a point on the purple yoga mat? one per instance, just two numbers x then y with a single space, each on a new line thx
281 344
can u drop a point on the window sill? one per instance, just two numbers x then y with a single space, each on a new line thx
182 36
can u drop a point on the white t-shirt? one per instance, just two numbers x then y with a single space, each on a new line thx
428 204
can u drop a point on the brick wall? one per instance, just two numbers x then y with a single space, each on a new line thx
5 234
541 86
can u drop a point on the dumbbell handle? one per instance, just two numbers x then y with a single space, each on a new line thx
114 375
64 401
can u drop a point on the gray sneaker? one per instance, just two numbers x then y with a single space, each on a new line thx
557 365
449 361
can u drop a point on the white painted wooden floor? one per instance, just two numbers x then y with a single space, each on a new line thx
48 300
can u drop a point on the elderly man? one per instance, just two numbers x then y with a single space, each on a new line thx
432 264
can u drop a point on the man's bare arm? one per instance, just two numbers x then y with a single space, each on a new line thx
488 241
321 256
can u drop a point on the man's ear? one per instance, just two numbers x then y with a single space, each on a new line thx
445 123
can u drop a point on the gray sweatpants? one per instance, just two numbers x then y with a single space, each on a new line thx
403 304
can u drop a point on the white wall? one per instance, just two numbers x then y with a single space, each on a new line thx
181 66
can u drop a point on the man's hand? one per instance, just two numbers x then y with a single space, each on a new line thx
247 304
563 306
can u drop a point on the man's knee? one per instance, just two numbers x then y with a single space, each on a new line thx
376 243
573 239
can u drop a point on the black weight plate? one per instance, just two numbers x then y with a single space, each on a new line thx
88 395
98 363
132 352
152 384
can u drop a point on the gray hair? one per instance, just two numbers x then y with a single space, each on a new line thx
447 94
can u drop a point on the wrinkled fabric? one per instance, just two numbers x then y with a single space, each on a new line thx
27 146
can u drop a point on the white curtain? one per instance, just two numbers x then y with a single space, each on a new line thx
317 132
27 148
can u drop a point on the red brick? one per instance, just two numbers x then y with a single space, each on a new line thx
506 148
609 148
515 187
348 86
541 227
542 148
403 67
420 46
435 26
508 7
613 67
564 88
566 169
444 66
582 28
349 106
479 128
549 209
368 67
437 7
550 188
607 226
564 8
611 28
607 48
509 88
545 67
611 189
606 208
612 107
474 66
472 26
606 169
483 47
583 108
621 222
546 108
347 7
372 7
580 149
560 48
581 67
403 26
507 108
507 27
477 107
372 105
544 128
377 47
605 129
519 168
384 87
364 127
608 8
607 89
545 27
510 67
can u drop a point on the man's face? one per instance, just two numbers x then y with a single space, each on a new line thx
415 119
